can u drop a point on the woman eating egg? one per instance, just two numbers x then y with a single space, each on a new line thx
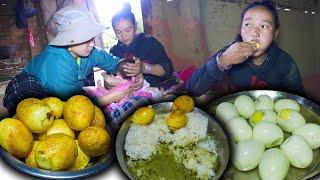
253 60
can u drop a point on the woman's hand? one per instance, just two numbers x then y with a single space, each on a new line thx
133 69
138 82
237 53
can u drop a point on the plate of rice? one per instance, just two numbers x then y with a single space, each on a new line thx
198 150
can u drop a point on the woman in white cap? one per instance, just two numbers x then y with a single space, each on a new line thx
63 66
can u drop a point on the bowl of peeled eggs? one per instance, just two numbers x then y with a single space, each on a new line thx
272 134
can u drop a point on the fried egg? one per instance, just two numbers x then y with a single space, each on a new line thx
245 106
289 120
286 104
226 111
247 154
239 129
264 115
273 164
311 133
264 102
298 151
267 133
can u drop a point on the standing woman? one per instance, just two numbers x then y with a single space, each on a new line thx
253 61
62 67
149 54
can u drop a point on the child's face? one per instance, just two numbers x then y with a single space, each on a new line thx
258 25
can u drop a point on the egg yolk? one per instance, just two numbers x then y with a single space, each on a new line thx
256 45
257 117
285 114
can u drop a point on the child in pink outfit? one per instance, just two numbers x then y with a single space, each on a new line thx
119 84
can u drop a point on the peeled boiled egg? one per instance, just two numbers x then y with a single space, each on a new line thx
264 115
289 120
311 133
298 151
226 111
247 154
273 164
245 106
239 129
286 104
264 102
267 133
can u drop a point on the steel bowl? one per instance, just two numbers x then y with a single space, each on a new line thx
95 166
214 129
309 110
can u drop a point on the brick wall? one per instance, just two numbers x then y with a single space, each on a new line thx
11 35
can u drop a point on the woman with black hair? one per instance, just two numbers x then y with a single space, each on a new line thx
150 55
253 61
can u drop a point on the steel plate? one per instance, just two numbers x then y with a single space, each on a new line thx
214 129
309 110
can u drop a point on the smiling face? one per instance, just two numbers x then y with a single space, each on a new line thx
125 31
258 26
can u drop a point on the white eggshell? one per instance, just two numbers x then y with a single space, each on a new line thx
267 133
226 111
239 129
289 120
245 106
311 133
264 115
286 104
273 165
247 154
298 151
264 102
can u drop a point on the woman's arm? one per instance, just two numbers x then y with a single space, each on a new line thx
104 60
205 77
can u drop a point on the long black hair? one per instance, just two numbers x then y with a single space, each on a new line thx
125 13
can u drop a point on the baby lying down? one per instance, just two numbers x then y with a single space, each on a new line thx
118 90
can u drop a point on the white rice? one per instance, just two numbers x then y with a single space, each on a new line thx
141 141
190 144
194 131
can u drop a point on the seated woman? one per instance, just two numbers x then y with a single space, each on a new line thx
253 61
61 69
148 52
